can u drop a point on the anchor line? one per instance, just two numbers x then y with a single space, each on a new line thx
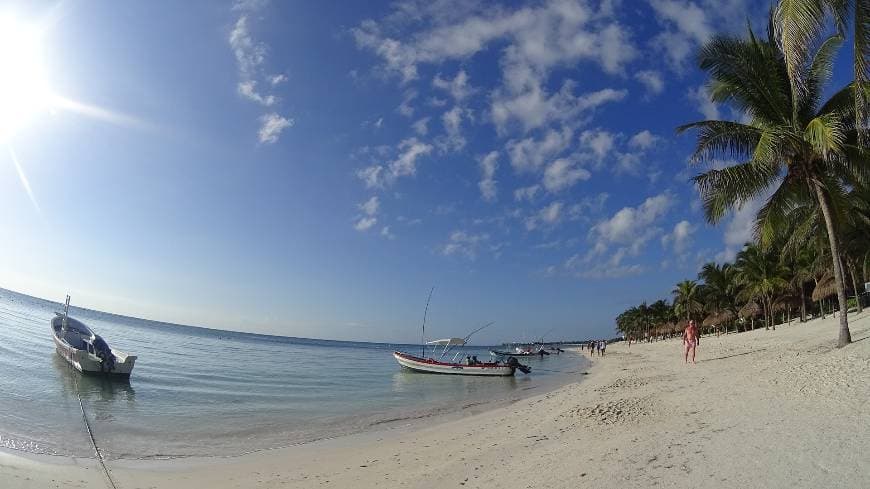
91 435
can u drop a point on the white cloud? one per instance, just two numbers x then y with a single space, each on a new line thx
690 23
529 154
643 140
548 216
277 79
372 176
404 164
631 227
526 193
379 123
651 80
271 127
588 207
534 108
562 174
371 206
464 243
598 141
452 120
421 127
738 230
533 39
487 184
386 233
705 106
458 87
249 53
369 218
250 57
405 108
680 238
365 223
248 89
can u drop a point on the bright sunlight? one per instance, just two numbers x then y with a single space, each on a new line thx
24 90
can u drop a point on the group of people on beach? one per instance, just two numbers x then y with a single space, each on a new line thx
599 345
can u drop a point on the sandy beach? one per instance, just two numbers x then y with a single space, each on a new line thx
777 408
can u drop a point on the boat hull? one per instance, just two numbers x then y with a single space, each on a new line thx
429 366
519 354
90 364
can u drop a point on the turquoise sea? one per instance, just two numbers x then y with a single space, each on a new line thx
207 392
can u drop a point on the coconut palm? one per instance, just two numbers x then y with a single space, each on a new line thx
720 288
687 299
799 25
793 147
762 277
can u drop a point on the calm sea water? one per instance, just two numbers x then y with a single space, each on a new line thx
205 392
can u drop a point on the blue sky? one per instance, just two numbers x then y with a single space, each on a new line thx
312 169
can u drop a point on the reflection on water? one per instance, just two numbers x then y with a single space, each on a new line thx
92 387
206 392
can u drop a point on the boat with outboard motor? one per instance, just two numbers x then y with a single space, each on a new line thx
85 350
521 352
470 367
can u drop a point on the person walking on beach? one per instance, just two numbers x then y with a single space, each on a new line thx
592 348
603 347
690 340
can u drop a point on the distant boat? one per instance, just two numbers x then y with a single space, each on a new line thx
433 366
86 351
521 352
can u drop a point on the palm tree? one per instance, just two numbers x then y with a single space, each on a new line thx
686 296
799 25
762 276
720 288
793 145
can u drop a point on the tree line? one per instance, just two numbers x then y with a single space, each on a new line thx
805 156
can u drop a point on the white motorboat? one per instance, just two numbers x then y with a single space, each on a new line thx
437 366
86 351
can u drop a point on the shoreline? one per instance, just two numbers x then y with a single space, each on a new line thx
760 409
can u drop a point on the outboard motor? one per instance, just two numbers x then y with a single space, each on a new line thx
513 362
107 358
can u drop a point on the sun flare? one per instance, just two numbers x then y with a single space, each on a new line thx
24 91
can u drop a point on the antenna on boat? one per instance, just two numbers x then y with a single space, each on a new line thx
65 312
423 334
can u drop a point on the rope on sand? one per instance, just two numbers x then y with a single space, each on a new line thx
91 435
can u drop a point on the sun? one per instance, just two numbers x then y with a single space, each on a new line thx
24 90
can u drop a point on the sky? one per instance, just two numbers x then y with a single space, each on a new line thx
315 168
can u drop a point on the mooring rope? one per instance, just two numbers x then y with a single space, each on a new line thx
91 435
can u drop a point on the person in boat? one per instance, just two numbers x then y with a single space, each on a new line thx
474 360
468 360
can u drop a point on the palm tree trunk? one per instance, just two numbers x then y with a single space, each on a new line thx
855 285
844 337
803 304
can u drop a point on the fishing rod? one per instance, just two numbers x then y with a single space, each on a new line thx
423 334
479 329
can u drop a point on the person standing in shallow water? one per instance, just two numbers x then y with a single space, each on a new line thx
690 340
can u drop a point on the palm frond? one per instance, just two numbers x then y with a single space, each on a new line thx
723 189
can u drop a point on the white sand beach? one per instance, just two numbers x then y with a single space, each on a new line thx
777 408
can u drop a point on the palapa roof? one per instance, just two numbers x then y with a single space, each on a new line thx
825 288
751 309
784 303
718 317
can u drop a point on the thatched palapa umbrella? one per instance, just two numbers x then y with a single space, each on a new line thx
825 288
750 310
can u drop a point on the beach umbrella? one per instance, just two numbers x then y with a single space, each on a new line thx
825 288
750 310
712 319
